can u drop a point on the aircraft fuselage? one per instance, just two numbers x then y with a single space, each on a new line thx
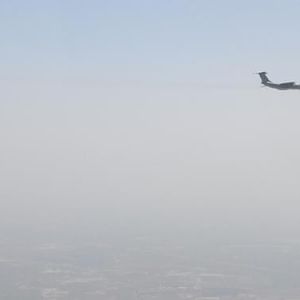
280 86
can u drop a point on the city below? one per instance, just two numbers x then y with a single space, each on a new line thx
147 267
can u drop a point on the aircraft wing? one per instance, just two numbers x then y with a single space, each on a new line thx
287 84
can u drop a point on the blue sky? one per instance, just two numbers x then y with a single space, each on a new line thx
181 40
140 108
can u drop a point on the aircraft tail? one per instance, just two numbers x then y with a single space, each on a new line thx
264 78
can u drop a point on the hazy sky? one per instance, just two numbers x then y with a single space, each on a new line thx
149 110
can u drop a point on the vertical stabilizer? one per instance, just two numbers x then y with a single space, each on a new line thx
264 78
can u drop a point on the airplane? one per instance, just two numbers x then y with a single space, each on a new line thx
279 86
